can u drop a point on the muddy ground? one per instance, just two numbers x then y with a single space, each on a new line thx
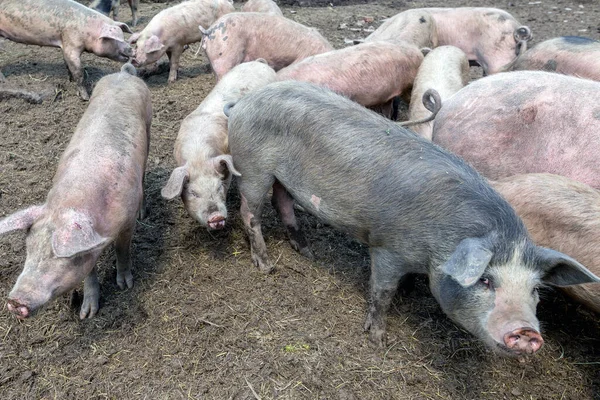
201 322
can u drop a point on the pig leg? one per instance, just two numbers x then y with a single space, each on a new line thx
123 250
133 4
386 273
284 204
115 9
174 55
2 78
91 296
251 211
73 61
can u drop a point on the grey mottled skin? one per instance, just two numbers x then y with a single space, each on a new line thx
96 194
66 24
106 6
418 207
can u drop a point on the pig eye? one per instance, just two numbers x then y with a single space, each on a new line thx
193 193
486 282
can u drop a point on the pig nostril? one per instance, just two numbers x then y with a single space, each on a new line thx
524 339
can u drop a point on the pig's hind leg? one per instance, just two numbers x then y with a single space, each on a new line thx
284 204
386 272
253 196
123 250
91 296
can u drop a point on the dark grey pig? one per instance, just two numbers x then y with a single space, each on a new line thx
106 6
418 207
96 194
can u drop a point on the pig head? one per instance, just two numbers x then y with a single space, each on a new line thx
62 248
203 188
111 43
496 299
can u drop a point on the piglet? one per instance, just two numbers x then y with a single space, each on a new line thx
562 214
173 28
263 6
239 37
106 6
445 69
96 195
68 25
201 149
369 73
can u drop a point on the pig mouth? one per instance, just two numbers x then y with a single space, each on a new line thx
18 309
216 223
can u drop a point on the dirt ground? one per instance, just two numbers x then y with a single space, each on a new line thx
201 322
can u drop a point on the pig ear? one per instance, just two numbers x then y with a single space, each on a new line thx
153 44
225 162
562 270
469 261
77 235
124 27
111 32
21 219
174 185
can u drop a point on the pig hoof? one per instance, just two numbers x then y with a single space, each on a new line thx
265 268
124 279
377 337
83 94
307 252
89 307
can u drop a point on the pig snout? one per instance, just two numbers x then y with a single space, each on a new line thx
20 310
523 340
216 221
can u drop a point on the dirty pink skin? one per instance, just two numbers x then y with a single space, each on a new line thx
370 73
488 36
562 214
239 37
262 6
201 149
411 26
96 194
569 55
106 6
524 122
445 69
68 25
173 28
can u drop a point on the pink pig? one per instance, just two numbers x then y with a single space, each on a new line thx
96 194
239 37
68 25
174 27
263 6
370 73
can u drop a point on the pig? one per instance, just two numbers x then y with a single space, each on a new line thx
419 208
96 194
369 73
173 28
488 36
570 55
415 26
106 6
204 170
524 122
239 37
445 69
562 214
68 25
263 6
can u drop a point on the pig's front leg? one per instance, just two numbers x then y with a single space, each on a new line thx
115 9
251 211
73 60
91 295
284 204
2 78
123 250
386 272
174 55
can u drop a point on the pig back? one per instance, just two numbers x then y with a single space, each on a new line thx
525 122
561 214
362 173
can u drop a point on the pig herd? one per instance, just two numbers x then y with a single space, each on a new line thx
506 166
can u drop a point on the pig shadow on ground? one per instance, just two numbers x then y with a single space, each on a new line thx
418 327
157 74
